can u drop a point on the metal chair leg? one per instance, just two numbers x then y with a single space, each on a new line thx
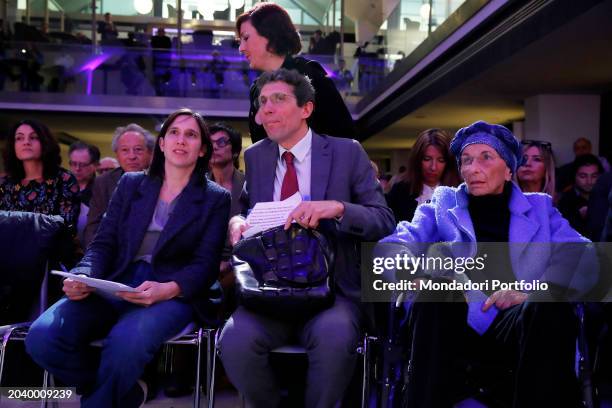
196 396
365 384
211 365
211 401
5 339
45 385
584 362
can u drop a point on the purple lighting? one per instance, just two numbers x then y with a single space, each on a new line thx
94 63
90 66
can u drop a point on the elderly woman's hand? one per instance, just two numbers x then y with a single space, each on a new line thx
503 299
75 290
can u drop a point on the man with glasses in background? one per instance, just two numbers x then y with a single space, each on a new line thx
227 144
83 161
133 147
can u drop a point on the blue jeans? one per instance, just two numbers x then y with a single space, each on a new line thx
59 341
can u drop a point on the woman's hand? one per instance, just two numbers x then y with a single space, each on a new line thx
76 290
150 292
503 299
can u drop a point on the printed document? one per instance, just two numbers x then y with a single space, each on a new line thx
270 214
109 287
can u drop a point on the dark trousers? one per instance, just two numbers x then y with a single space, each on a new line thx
535 343
59 342
330 339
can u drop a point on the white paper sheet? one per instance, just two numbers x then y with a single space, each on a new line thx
100 284
270 214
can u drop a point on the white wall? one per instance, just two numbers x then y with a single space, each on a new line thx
561 119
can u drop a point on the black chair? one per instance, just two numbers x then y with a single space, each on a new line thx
28 242
193 335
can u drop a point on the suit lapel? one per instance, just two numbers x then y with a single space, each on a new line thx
320 167
186 210
141 212
268 160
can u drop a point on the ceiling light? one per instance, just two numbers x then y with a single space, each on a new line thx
143 6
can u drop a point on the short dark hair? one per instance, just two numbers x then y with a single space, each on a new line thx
234 136
587 160
581 139
302 88
94 152
273 22
157 168
50 155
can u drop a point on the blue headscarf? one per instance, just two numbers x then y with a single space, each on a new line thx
498 137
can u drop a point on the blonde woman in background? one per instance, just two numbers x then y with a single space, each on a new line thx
537 173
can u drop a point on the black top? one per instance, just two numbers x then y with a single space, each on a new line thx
570 204
161 41
599 206
330 116
490 216
401 201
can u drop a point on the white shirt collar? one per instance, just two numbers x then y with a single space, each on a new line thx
301 148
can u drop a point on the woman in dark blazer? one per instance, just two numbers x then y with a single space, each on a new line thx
162 234
269 40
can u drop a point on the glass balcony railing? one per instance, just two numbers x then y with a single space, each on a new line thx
214 72
209 65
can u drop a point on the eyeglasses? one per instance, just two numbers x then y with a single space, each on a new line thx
220 143
78 165
538 143
275 98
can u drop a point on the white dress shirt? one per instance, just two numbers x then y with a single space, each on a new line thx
302 152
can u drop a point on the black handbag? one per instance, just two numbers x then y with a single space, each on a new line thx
284 274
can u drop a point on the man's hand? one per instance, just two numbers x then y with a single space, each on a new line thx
583 212
503 299
237 226
150 292
309 213
76 290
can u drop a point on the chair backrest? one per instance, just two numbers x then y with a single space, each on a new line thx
27 242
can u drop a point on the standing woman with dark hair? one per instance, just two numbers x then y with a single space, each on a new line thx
34 180
162 234
269 40
430 165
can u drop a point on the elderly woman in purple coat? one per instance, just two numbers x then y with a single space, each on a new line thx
533 340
